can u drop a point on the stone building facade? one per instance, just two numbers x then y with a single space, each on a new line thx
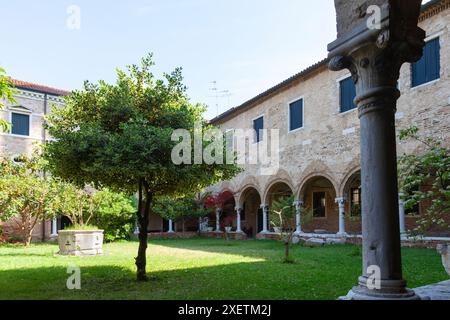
26 114
319 159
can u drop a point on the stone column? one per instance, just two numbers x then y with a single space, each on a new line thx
341 203
54 227
136 227
298 216
401 212
171 227
238 219
218 212
374 47
265 209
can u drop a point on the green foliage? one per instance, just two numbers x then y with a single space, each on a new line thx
430 167
282 214
115 214
178 208
25 194
6 93
81 227
116 135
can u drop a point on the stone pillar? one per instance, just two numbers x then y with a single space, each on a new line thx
218 212
54 227
136 227
265 209
373 48
171 227
238 219
298 216
401 213
341 203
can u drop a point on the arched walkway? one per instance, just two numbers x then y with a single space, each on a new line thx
351 192
319 201
250 202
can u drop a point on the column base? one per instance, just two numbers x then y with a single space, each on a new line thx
342 234
389 290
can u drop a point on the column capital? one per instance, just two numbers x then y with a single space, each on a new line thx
374 55
264 206
238 208
341 201
298 203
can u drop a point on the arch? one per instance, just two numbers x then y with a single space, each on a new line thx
245 191
348 179
282 177
315 175
250 201
273 184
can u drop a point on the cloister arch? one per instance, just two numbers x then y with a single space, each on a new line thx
250 201
276 190
318 192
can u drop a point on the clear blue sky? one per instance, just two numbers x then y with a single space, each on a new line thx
247 46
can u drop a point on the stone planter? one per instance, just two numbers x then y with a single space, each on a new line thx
228 229
80 242
444 250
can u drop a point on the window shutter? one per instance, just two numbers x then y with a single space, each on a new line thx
258 125
428 68
20 124
348 94
296 115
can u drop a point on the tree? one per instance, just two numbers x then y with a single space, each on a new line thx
115 214
178 209
25 195
120 136
282 216
429 167
6 93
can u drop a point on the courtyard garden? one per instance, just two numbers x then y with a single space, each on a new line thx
199 269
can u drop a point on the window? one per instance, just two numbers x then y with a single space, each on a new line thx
347 94
428 68
20 124
355 202
296 115
319 204
258 126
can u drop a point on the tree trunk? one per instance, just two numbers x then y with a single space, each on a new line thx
143 219
286 251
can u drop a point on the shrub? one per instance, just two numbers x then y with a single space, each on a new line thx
115 214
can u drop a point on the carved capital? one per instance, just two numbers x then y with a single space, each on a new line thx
374 56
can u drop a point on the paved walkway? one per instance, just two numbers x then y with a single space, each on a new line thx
438 291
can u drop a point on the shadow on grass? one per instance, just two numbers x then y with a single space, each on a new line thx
239 281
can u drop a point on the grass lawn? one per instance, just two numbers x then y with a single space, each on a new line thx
199 269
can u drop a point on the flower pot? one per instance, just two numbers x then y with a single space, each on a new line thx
210 229
228 229
80 242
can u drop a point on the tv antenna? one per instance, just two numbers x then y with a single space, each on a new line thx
217 94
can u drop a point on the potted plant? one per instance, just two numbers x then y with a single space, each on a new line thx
81 238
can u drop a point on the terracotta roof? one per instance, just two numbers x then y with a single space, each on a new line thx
39 88
428 9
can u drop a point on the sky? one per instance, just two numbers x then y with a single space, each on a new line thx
246 46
